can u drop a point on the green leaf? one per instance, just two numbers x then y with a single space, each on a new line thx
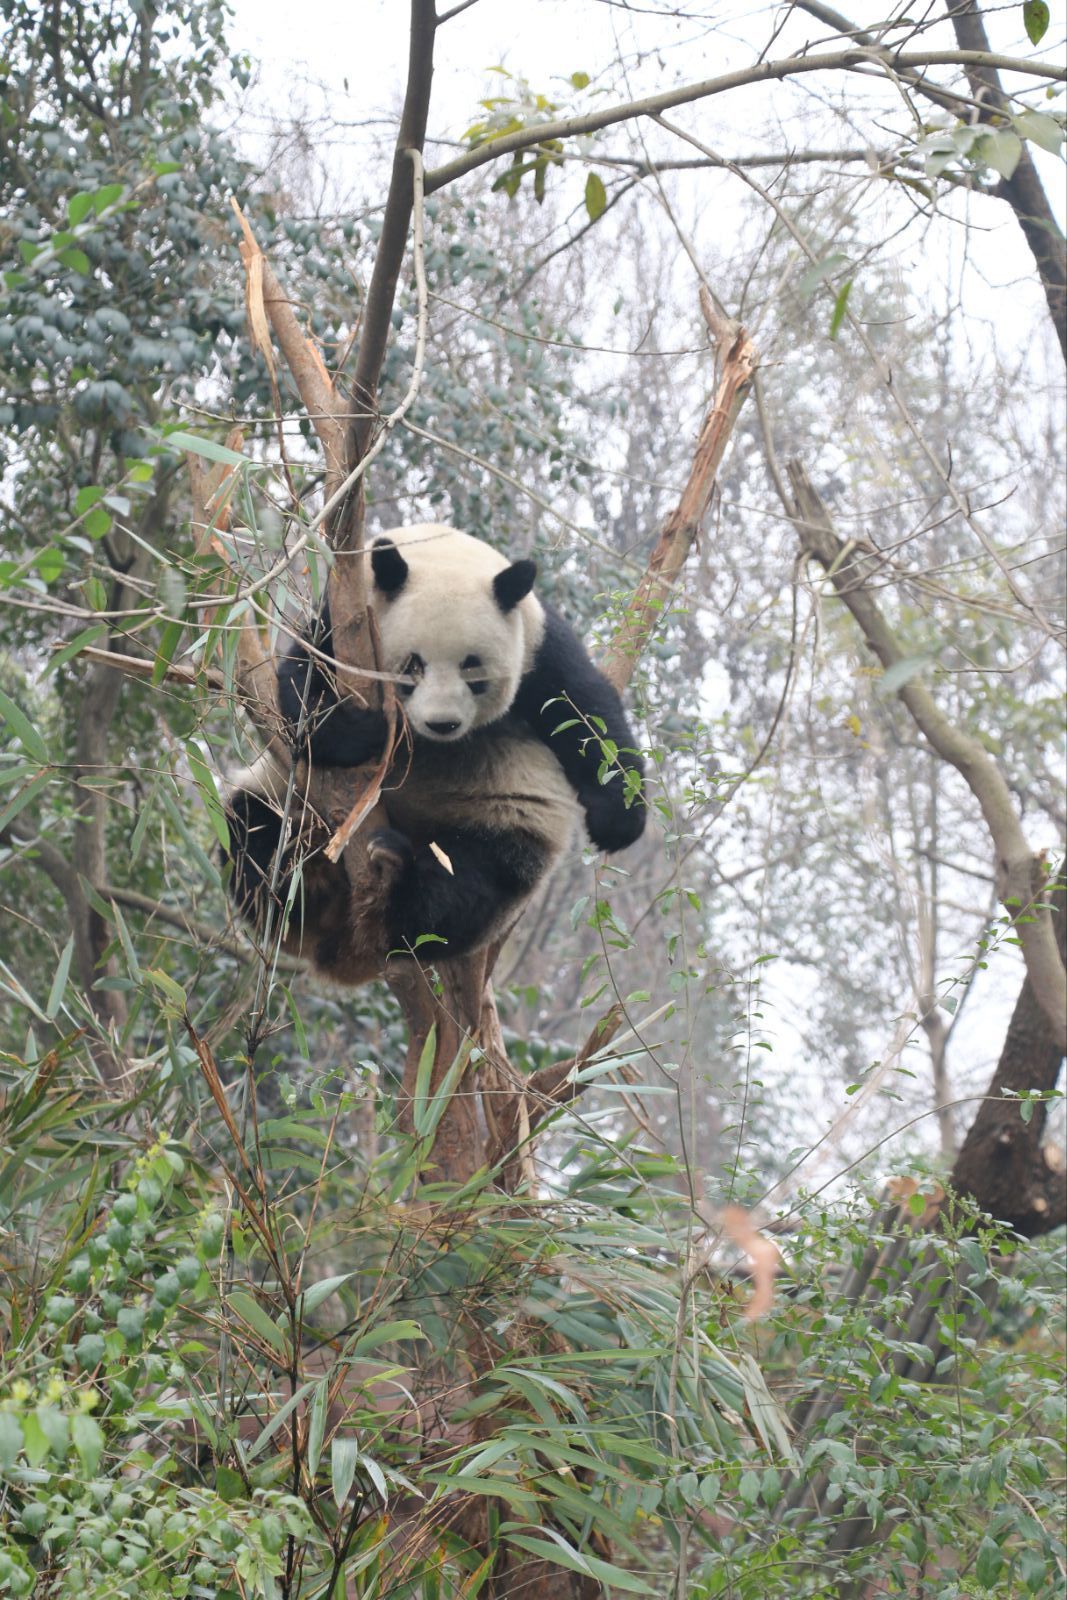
87 497
579 80
169 988
97 523
56 1429
317 1426
385 1333
34 1440
990 1562
59 982
427 1117
1039 129
1035 20
840 307
810 280
88 1439
207 448
900 673
78 207
596 196
10 1439
999 148
205 782
564 1555
50 563
344 1453
24 797
168 643
422 1076
312 1298
280 1416
251 1312
95 593
229 1485
106 196
24 730
76 260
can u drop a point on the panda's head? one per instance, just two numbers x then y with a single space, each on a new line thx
458 621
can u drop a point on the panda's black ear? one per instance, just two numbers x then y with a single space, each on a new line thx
389 567
514 584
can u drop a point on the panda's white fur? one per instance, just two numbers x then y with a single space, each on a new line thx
487 780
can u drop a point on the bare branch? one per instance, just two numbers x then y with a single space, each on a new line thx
265 294
392 245
890 62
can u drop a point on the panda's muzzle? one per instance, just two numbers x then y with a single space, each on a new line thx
443 730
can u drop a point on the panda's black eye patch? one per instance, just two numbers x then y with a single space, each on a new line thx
413 667
472 664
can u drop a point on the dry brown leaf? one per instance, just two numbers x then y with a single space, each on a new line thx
763 1254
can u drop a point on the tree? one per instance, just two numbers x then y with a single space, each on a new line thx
561 1375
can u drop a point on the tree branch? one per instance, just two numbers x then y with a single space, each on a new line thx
764 72
682 526
1023 191
1017 867
389 257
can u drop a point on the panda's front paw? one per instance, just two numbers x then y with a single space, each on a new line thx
389 850
609 823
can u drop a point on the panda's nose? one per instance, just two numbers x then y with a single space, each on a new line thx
442 729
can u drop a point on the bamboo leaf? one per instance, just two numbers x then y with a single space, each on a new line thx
252 1313
278 1418
59 982
317 1425
207 448
344 1453
23 729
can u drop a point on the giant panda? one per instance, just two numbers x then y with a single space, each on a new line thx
508 719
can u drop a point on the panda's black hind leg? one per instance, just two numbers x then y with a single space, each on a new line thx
491 874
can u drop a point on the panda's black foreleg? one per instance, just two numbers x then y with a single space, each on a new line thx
491 873
255 831
336 733
575 711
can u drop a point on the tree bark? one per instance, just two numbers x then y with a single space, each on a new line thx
1003 1164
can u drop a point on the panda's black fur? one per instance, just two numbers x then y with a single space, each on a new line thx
491 779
